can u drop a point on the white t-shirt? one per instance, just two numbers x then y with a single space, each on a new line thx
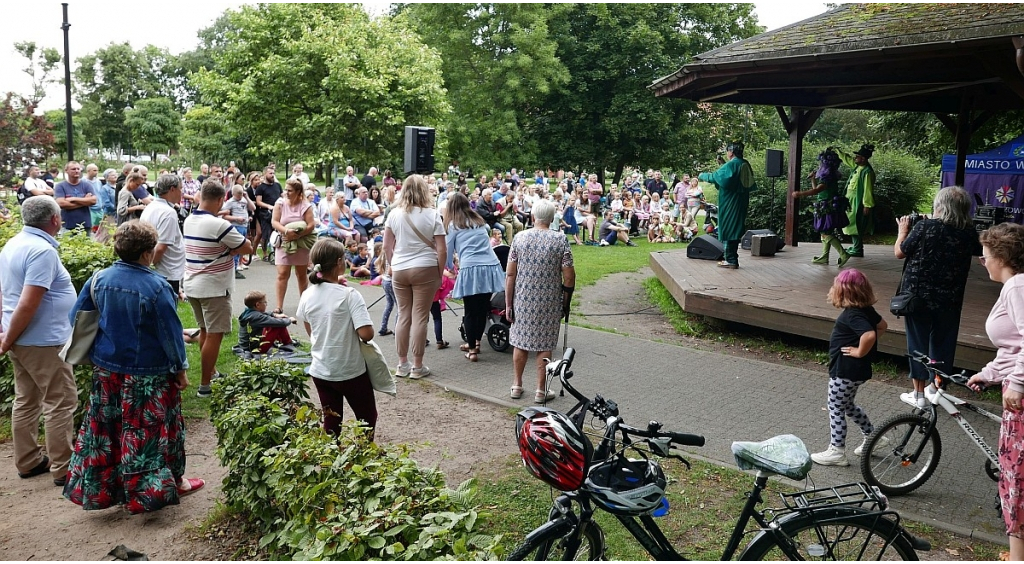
36 184
162 216
334 312
209 266
410 250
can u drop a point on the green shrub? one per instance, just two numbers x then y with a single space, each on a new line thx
272 379
315 496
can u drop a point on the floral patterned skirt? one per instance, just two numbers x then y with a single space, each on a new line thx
131 447
1011 466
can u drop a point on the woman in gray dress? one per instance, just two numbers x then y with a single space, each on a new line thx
539 282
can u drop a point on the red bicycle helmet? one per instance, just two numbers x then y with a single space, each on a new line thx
553 448
625 486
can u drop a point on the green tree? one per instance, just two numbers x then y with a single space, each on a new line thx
110 81
606 116
58 123
322 82
205 138
42 62
155 125
925 136
499 60
24 137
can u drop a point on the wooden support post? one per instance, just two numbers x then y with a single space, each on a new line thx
797 124
963 137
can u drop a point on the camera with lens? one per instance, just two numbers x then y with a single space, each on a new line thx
914 217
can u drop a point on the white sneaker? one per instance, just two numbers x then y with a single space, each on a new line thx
421 372
929 393
403 370
833 456
243 266
911 399
880 445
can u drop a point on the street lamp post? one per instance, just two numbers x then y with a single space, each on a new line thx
67 86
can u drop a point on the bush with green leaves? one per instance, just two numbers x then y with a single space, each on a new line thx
316 496
271 379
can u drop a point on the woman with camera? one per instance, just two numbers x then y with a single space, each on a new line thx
938 253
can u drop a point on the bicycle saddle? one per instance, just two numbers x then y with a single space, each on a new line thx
785 455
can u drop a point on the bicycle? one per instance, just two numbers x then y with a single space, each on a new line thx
848 522
903 451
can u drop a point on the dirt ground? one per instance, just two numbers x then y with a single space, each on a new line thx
39 524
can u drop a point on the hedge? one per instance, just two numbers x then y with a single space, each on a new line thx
315 496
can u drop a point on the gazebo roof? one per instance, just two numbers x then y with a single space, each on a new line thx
905 57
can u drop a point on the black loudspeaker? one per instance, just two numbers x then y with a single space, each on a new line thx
705 247
419 150
773 163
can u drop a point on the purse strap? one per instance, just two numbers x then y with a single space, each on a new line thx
92 290
899 287
426 240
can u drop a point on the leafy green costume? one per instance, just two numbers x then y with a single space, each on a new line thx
734 180
861 193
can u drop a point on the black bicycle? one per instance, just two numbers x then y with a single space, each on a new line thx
848 522
904 450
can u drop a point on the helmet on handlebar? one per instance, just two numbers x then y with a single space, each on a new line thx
553 448
625 486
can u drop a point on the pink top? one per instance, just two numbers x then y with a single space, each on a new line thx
1005 328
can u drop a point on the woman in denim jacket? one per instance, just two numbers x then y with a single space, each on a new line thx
131 447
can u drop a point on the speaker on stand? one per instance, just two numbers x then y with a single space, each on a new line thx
773 166
419 150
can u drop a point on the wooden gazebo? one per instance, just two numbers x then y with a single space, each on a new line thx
960 62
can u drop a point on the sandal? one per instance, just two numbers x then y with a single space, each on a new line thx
277 312
517 392
543 397
464 347
442 345
190 485
473 355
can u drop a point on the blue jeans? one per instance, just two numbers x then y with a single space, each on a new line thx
934 333
389 302
243 229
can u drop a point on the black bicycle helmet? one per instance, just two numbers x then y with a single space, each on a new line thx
553 448
625 486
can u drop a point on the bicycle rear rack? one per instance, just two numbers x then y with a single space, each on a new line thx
856 494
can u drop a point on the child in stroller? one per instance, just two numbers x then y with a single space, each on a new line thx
497 326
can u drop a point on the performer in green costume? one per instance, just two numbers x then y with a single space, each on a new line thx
829 206
861 193
734 180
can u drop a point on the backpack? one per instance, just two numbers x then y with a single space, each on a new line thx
23 194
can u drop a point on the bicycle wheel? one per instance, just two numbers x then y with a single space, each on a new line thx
552 547
886 459
835 534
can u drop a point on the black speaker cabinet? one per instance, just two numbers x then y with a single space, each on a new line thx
749 235
773 163
419 150
705 247
763 245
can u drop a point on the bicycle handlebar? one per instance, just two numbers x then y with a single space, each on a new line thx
605 408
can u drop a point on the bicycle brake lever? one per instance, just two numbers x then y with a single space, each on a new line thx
676 456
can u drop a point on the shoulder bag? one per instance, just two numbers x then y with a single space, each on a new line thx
381 377
83 333
426 240
904 302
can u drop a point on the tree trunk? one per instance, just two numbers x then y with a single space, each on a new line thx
619 167
318 173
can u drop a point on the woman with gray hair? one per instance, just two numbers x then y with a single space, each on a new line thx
938 253
107 196
539 282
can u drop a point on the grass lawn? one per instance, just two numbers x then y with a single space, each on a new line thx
192 406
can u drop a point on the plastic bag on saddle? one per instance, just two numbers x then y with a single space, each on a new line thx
785 455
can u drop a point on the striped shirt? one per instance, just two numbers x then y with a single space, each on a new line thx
209 266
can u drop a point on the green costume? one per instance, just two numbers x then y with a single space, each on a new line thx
734 180
861 193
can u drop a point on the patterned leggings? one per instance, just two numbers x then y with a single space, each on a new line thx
841 395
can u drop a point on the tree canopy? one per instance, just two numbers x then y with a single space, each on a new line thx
322 81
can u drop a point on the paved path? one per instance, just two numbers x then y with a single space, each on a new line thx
722 397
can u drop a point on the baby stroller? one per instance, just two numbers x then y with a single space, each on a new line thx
497 326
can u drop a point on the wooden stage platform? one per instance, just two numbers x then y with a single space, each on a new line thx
787 293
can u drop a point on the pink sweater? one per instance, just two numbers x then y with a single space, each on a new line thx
1005 328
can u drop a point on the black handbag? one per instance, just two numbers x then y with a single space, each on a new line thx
904 302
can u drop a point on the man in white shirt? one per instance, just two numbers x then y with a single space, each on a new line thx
297 173
364 211
210 274
35 185
169 255
351 184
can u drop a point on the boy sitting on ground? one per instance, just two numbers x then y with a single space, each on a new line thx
612 231
360 262
258 330
654 230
